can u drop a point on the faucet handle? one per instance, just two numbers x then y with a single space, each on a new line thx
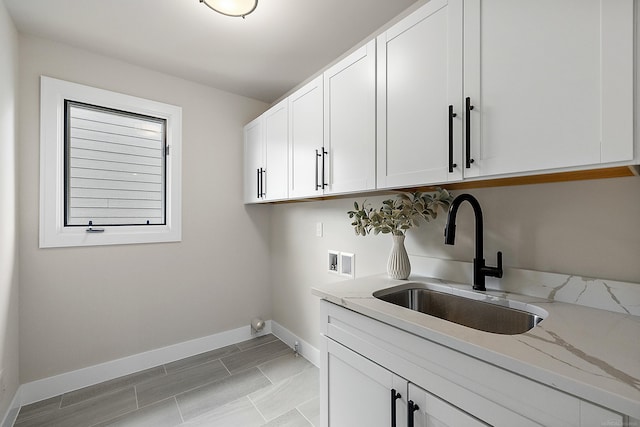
499 267
493 271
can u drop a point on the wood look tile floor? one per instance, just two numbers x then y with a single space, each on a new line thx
259 382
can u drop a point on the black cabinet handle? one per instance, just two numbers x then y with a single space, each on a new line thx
468 158
411 408
317 185
258 174
451 116
394 396
263 176
324 153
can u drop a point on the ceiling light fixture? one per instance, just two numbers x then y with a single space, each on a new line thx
232 7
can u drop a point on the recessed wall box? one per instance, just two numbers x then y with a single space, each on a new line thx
333 260
347 267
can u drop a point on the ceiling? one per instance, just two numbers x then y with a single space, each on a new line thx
263 56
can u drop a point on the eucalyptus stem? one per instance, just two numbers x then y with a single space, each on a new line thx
399 214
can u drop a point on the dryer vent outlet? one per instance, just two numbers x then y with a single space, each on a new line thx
257 325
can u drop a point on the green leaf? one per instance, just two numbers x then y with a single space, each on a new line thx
399 214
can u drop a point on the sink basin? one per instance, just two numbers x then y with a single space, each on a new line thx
490 314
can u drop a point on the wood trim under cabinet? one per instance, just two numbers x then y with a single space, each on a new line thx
615 172
604 173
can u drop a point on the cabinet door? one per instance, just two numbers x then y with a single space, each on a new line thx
419 77
550 83
276 159
359 391
253 160
306 140
434 412
350 122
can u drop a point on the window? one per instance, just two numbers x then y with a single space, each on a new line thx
110 167
114 167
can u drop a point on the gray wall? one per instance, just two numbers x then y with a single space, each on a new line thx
588 228
8 210
83 306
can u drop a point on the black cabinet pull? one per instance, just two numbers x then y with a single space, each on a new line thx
468 158
324 153
317 185
451 116
411 408
263 176
258 174
394 396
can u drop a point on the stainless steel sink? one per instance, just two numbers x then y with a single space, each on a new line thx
491 314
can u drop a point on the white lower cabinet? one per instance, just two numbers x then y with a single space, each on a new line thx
358 390
429 411
362 393
373 375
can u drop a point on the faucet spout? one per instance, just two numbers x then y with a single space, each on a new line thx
480 269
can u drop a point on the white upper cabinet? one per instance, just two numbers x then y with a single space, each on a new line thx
350 122
459 89
550 83
276 145
419 78
265 156
253 160
507 87
307 158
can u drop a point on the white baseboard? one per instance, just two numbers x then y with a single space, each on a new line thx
305 349
69 381
12 413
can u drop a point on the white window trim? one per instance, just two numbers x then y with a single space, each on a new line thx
53 233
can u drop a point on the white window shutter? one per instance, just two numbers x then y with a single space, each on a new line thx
115 167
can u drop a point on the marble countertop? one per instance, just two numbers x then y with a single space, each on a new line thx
590 353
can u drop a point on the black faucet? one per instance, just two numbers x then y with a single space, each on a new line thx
480 270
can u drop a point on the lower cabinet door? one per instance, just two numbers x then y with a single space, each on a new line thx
434 412
362 393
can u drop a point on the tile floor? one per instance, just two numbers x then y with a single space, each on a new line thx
258 382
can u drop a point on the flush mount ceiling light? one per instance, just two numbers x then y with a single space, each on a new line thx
232 7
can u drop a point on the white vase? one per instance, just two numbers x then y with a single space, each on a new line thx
398 266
